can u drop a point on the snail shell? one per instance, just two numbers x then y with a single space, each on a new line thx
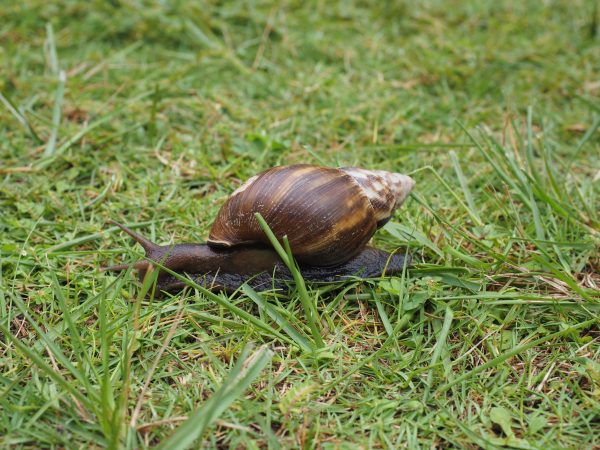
328 214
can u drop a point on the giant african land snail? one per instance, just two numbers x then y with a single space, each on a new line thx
328 215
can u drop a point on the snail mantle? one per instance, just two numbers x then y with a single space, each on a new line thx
328 215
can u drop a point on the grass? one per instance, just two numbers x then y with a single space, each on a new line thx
150 113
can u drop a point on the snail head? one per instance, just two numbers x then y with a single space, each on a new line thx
165 255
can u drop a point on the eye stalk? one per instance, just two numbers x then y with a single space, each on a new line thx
153 251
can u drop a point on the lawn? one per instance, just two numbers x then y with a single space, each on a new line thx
150 113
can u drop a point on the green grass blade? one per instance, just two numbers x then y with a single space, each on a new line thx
36 359
439 347
78 345
52 55
239 379
56 114
383 316
286 256
298 337
465 188
19 116
513 352
584 140
451 192
55 349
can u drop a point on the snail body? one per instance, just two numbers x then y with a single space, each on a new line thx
328 215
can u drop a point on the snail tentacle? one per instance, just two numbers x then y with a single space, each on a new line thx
153 252
147 244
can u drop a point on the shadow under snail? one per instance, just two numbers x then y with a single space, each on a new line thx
328 215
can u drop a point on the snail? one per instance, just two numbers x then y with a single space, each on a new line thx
328 214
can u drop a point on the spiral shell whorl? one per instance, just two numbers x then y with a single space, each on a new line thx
385 190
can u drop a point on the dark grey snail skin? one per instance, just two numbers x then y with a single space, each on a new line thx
226 269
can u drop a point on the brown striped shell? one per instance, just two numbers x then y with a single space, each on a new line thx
328 214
